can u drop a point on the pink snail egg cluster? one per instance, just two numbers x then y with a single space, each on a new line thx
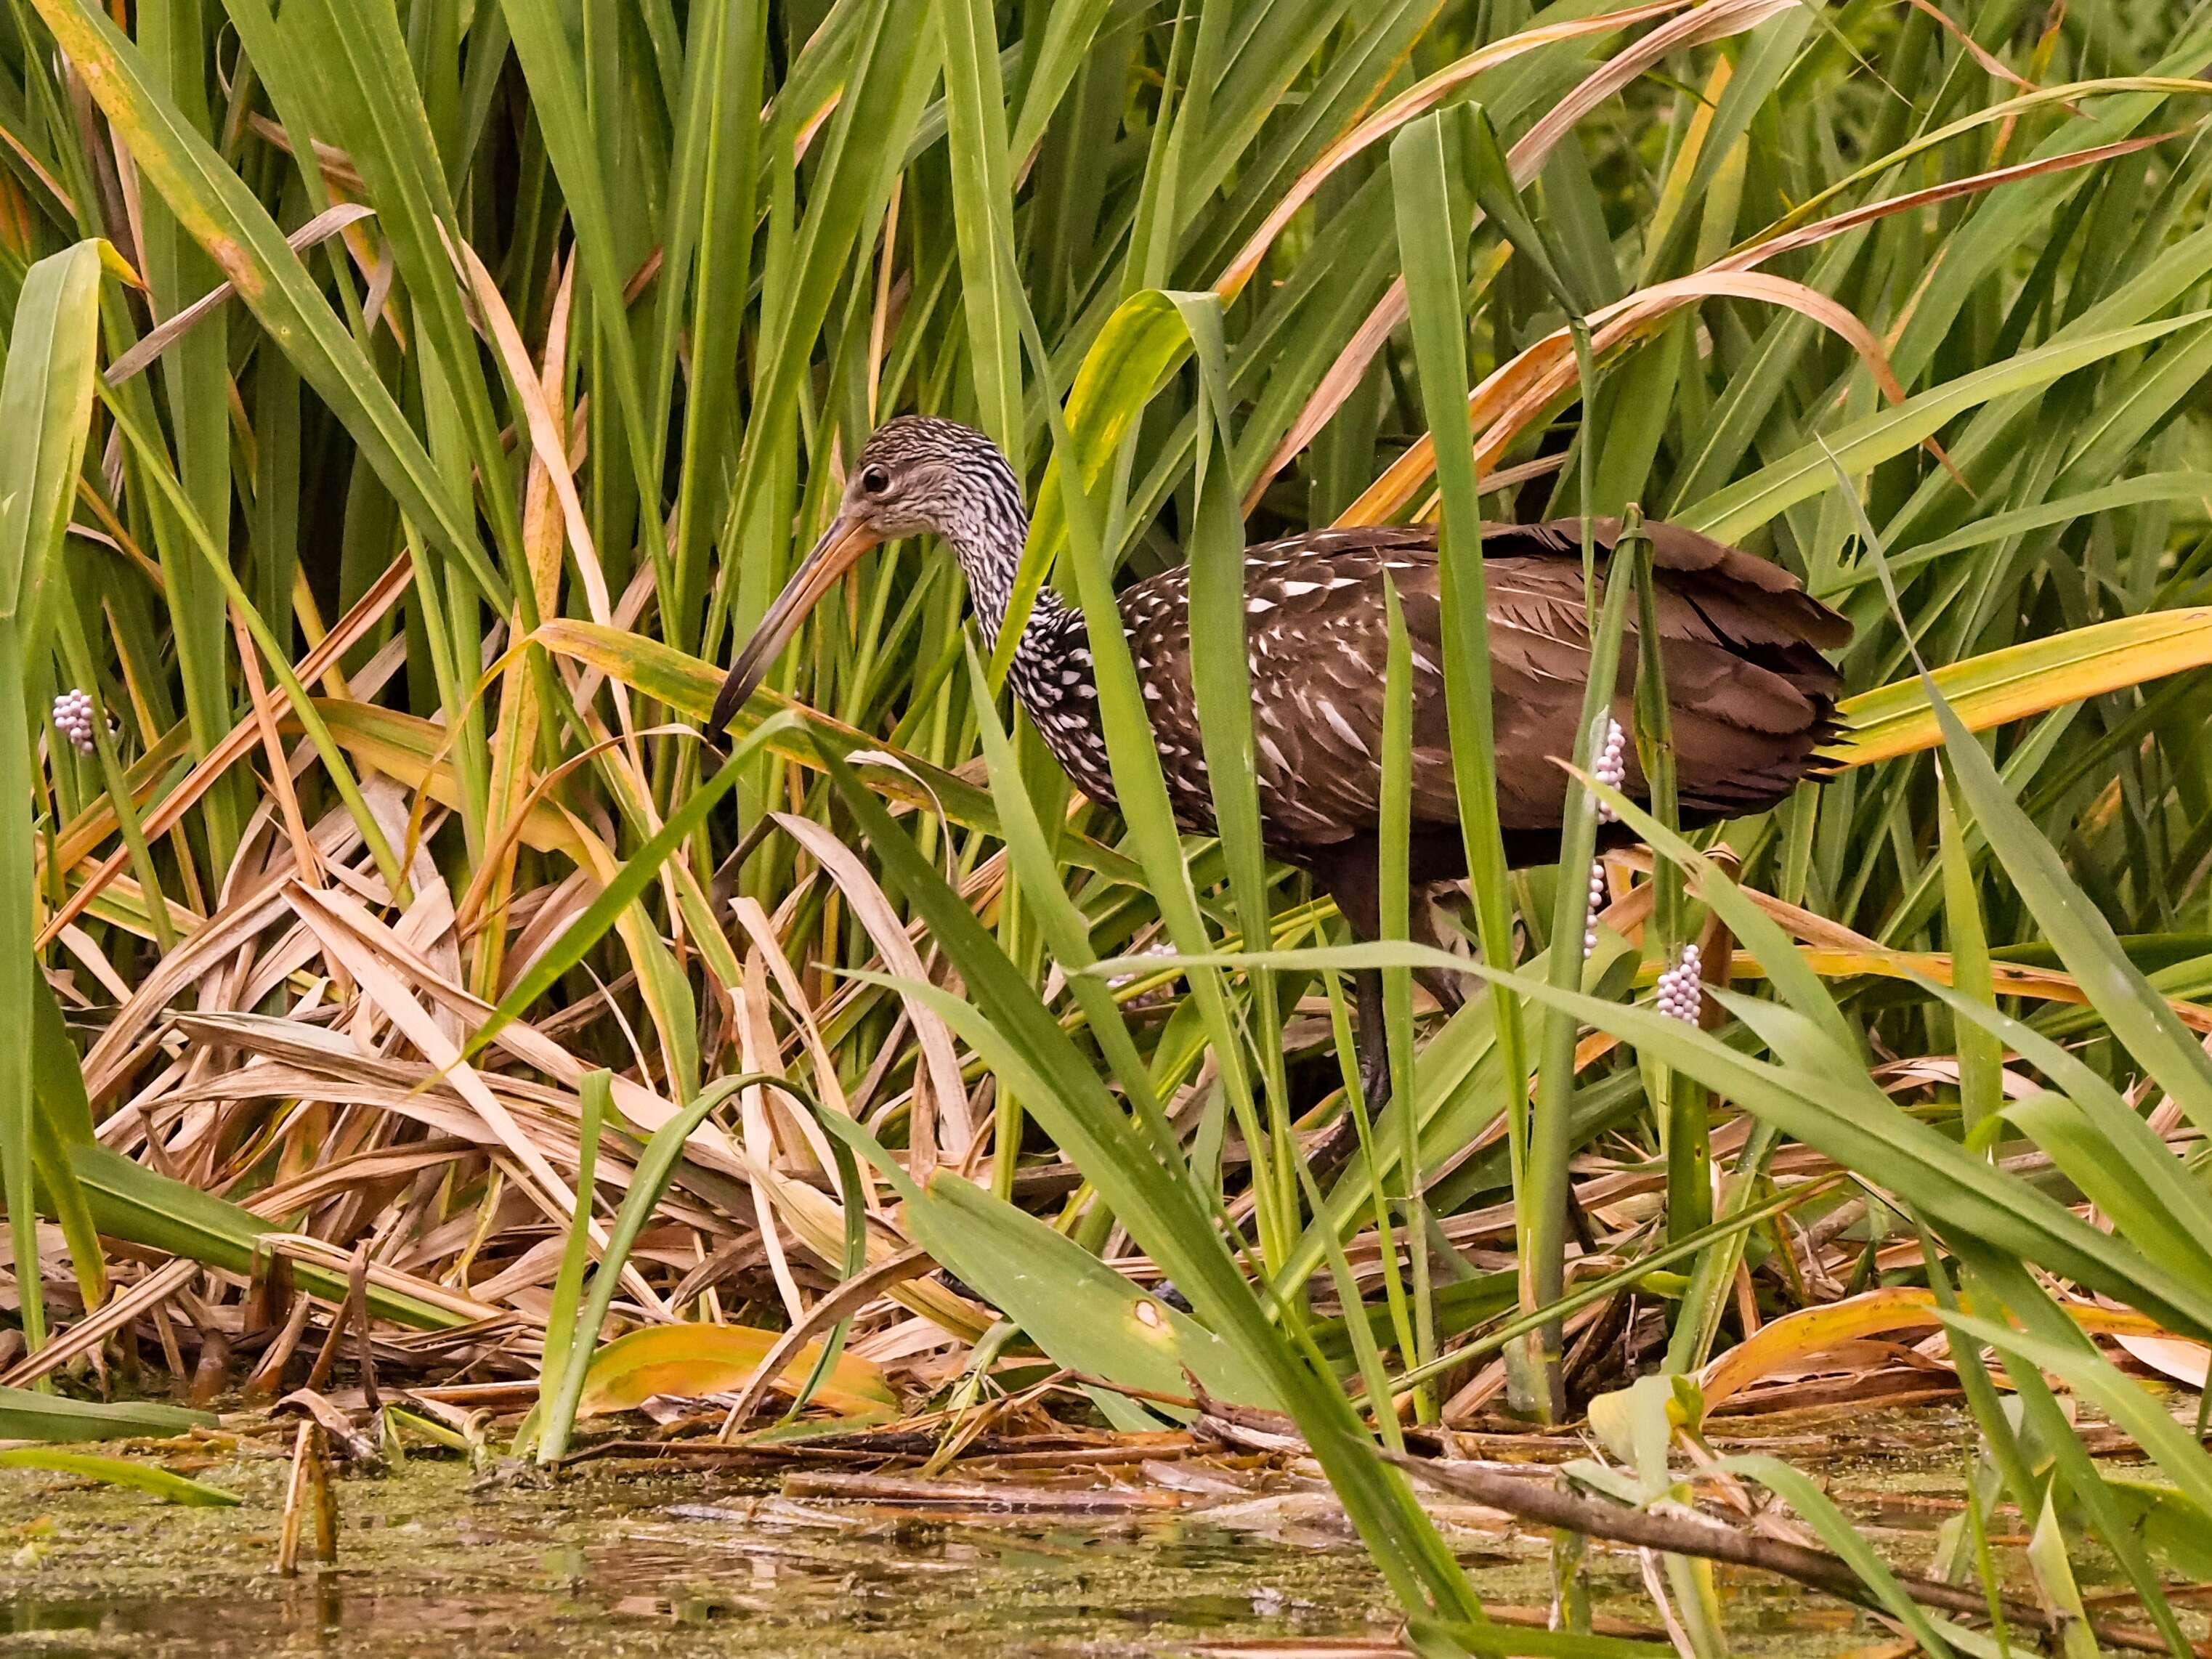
1681 988
1611 767
73 719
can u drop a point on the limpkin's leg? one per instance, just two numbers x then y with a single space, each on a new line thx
1350 876
1326 1156
1370 1036
1371 1028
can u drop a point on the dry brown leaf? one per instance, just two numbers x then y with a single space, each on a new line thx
79 840
944 1103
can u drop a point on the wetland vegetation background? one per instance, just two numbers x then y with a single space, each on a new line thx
424 1047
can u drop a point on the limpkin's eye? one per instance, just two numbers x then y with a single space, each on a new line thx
876 482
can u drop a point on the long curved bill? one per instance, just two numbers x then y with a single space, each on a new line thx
833 556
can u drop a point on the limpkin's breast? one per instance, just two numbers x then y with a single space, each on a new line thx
1051 675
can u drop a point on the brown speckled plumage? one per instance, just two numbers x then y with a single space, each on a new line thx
1752 695
1751 698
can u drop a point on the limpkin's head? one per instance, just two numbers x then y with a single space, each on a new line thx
917 474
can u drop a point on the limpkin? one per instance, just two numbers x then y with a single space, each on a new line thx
1750 696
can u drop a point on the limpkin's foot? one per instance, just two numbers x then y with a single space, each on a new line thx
1166 1292
1443 987
1446 987
1328 1155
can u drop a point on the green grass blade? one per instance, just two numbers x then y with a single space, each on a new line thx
161 1212
540 33
1732 512
45 398
367 93
1981 1059
656 1167
1081 1312
711 208
983 208
1221 684
1550 1123
1818 1511
1394 823
220 213
62 1118
594 1098
121 1471
1431 250
25 1415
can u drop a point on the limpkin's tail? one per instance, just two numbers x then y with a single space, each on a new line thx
1755 696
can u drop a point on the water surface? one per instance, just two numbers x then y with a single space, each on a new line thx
634 1561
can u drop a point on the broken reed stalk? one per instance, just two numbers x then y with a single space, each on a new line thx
356 1312
1685 1535
308 1492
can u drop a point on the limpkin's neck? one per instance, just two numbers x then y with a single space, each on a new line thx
990 553
1051 672
985 523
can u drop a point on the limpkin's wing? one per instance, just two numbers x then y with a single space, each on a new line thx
1750 698
1750 694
